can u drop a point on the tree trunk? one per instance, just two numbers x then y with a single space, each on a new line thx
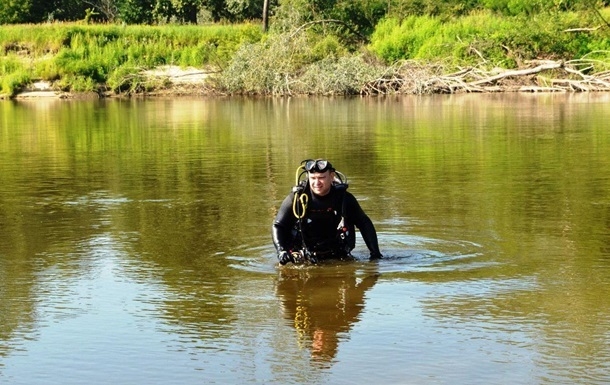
265 15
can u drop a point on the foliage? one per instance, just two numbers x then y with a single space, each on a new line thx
481 37
135 11
265 67
534 7
14 81
36 11
241 10
90 54
316 46
77 83
15 11
403 8
296 63
128 80
14 74
394 40
345 75
361 15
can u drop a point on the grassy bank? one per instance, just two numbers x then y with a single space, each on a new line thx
84 58
318 58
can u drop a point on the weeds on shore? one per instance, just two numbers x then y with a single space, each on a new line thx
81 57
484 38
297 60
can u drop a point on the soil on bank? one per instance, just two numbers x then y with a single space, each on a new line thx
410 78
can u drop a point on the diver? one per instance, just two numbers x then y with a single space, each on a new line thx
317 220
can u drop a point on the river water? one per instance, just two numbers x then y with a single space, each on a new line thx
135 241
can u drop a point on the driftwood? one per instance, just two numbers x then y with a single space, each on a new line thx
540 76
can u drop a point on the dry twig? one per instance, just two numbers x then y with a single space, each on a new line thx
411 78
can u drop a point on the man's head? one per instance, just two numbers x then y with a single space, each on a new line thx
320 175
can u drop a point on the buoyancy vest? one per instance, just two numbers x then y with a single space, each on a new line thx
324 228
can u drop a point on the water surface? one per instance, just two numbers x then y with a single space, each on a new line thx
135 241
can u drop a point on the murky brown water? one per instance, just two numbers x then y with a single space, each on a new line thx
135 242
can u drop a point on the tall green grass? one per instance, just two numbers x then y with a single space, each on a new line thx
485 37
93 54
13 74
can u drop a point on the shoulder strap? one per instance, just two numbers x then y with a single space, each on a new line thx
341 191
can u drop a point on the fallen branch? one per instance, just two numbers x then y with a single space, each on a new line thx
411 78
582 29
517 73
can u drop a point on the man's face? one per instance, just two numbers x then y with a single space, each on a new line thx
320 182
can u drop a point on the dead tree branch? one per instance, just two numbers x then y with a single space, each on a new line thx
547 76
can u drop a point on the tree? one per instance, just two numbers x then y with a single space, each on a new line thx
131 11
266 16
108 8
15 11
186 10
245 9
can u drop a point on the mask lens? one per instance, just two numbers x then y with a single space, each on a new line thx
318 165
310 165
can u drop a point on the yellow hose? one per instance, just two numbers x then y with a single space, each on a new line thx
301 198
299 172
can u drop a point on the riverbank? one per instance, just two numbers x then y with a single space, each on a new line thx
419 55
411 78
177 81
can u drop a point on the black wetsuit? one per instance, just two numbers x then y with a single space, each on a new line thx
320 226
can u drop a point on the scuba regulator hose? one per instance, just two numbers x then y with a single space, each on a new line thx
299 207
299 203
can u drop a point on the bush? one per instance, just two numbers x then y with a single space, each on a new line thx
343 76
14 82
77 83
261 68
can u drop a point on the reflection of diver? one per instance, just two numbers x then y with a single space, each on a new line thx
323 303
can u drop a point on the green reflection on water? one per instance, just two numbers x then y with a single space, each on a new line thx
499 206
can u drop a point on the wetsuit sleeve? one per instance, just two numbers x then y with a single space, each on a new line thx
362 221
281 230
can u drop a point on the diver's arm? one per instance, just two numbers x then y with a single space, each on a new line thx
365 225
281 230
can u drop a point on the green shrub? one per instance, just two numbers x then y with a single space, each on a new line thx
77 83
10 64
46 69
329 45
14 82
343 76
127 79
